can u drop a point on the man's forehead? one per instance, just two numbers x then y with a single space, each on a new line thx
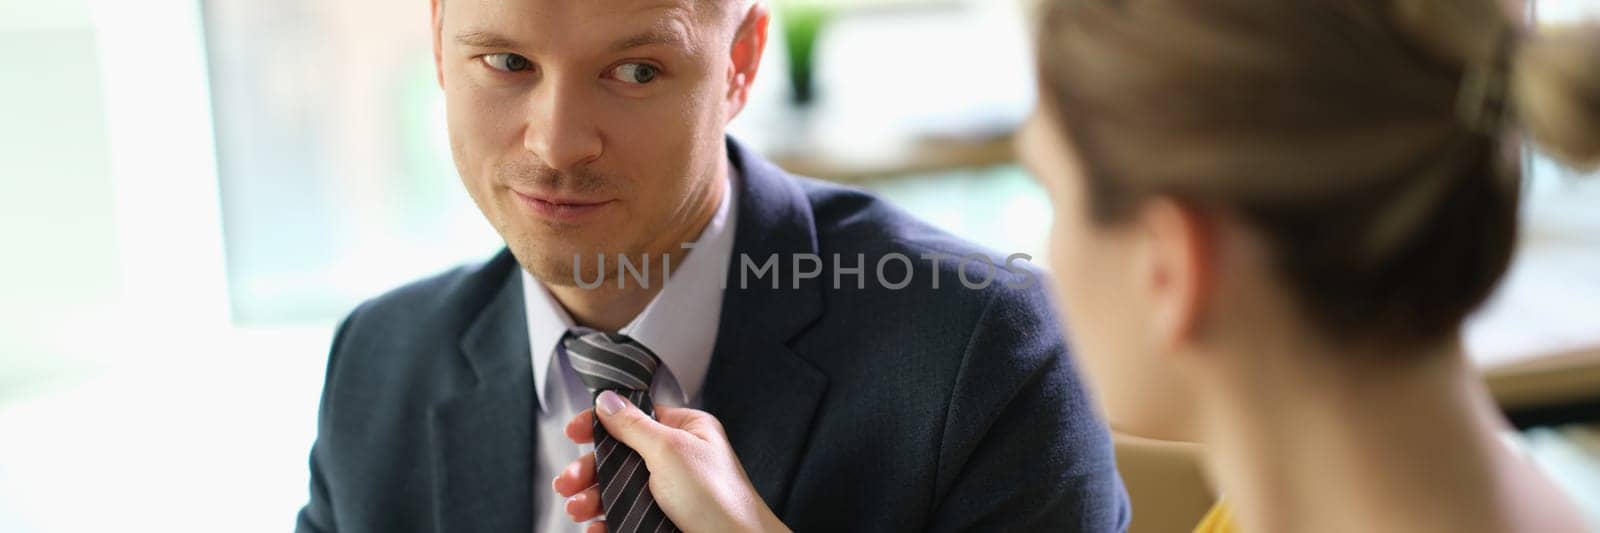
709 10
621 23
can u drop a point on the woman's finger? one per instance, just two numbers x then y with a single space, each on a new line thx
578 475
584 506
674 417
696 422
631 427
598 526
581 428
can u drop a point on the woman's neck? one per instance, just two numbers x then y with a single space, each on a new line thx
1304 442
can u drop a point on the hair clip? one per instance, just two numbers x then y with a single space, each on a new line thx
1483 103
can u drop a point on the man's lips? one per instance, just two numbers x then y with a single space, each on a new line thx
561 209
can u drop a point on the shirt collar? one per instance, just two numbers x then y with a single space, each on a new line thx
679 324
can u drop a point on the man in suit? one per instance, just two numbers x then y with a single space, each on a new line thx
871 372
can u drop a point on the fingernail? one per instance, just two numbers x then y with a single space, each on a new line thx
609 402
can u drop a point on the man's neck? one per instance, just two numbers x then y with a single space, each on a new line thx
611 306
604 308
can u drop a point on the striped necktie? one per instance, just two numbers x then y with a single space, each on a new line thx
611 361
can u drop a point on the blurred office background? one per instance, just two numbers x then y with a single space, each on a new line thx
192 193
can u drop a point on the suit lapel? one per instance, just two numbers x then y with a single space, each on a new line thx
764 393
483 438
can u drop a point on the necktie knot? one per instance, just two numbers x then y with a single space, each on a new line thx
610 360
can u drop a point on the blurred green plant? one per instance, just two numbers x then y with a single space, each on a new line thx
803 21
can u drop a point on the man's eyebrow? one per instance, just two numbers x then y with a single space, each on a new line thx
484 39
651 37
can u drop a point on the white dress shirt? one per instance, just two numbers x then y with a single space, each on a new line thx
679 325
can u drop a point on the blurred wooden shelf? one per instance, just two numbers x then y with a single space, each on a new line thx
923 156
1553 389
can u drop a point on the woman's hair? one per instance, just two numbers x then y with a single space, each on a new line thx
1361 138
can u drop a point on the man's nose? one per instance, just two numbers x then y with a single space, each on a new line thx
561 128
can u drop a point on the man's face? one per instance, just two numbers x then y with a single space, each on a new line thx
585 127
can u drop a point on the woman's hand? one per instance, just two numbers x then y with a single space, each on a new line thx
694 475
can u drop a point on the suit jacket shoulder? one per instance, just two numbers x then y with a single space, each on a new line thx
378 463
383 336
958 361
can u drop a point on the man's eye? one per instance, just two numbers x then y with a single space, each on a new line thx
636 73
507 62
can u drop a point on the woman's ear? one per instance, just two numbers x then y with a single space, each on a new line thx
1176 266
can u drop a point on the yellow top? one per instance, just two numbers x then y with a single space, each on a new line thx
1218 520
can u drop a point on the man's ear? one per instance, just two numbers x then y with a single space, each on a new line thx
748 44
1177 267
436 7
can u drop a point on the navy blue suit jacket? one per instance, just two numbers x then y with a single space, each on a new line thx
851 409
